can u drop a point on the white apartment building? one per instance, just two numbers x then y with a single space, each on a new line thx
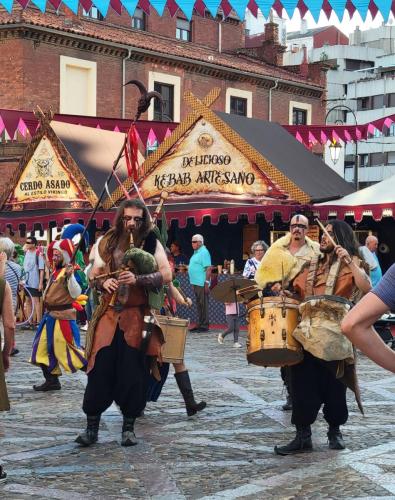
361 78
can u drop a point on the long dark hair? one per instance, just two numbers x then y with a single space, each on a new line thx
344 236
119 228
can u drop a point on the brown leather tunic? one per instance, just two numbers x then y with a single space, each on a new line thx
130 319
57 294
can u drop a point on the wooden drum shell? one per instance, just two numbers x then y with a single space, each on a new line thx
270 326
175 333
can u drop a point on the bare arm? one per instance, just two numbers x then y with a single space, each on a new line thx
9 325
358 327
163 263
361 279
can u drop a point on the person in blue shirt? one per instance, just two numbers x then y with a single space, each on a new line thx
369 253
199 271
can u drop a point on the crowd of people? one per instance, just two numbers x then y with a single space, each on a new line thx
129 279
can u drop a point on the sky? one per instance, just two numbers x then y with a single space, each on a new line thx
347 25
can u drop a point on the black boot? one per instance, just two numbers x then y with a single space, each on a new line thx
300 444
335 438
184 384
128 435
51 382
90 434
287 406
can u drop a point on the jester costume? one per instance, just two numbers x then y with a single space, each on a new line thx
57 341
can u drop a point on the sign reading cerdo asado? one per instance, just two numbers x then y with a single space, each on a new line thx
203 161
45 178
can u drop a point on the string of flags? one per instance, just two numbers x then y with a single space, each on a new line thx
281 7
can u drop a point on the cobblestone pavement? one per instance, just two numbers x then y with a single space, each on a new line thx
226 452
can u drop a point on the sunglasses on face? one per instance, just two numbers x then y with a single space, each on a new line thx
195 241
259 250
300 226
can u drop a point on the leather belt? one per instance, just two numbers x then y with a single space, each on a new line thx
63 307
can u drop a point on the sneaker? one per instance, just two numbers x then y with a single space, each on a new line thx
220 339
84 328
3 475
237 344
14 351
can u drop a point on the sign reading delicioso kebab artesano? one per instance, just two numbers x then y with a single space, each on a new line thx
45 178
203 161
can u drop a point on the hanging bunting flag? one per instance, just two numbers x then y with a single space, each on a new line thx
240 7
159 6
102 6
40 4
187 8
314 7
265 7
212 6
7 4
72 5
338 7
362 7
384 6
289 6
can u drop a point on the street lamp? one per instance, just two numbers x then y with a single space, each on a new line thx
333 148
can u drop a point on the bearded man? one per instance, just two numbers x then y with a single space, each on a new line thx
57 341
119 359
328 286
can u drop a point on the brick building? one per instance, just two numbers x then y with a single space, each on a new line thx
78 65
48 58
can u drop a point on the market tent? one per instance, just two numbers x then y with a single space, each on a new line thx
377 201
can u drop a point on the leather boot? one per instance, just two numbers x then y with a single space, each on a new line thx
51 382
335 438
128 435
184 384
90 434
300 444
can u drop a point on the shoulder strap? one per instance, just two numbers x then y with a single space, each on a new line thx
13 270
332 277
2 290
311 275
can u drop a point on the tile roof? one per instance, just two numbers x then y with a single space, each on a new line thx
151 42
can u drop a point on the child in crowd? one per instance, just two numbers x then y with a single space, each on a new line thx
233 321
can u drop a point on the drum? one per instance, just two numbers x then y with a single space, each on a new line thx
175 333
271 321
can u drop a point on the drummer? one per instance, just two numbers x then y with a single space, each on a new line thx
281 263
316 382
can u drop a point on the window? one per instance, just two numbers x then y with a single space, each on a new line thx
299 116
166 113
391 158
391 130
77 86
138 19
363 103
391 100
363 160
92 13
238 102
377 101
377 159
184 30
238 106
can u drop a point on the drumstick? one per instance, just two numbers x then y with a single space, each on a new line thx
326 233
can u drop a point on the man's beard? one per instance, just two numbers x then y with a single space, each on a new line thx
327 249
